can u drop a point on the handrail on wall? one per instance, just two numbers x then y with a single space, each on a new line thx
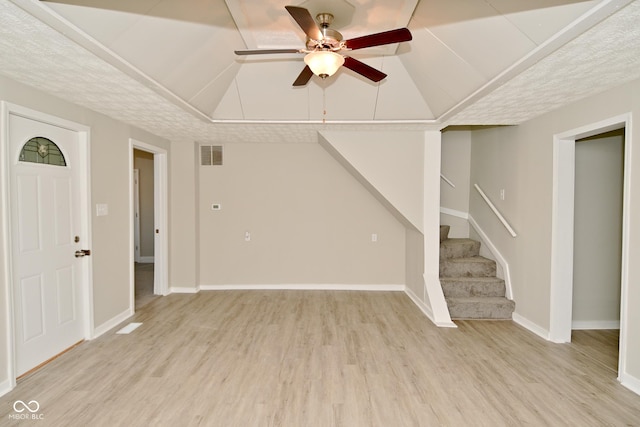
495 211
447 180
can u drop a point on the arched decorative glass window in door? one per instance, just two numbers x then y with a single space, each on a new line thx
42 150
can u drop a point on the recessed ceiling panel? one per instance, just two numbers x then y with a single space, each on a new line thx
442 76
411 106
476 33
361 102
105 25
229 107
187 48
266 90
202 65
267 24
543 22
210 96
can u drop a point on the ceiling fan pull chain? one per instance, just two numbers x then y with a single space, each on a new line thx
324 102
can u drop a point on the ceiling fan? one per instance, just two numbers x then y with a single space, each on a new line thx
324 47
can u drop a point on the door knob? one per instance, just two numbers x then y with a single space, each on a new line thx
83 252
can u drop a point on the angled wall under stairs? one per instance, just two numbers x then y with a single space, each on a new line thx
469 281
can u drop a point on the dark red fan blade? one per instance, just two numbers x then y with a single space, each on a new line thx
304 77
379 39
363 69
306 21
265 51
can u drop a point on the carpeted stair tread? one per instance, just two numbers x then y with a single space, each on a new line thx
472 286
480 308
476 266
459 248
469 282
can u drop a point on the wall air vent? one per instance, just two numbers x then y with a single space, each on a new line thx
211 155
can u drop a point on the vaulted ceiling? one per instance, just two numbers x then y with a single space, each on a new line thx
470 61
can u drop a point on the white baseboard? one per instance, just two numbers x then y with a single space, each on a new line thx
146 260
5 387
421 305
632 383
427 310
112 323
595 324
183 290
528 324
305 287
453 212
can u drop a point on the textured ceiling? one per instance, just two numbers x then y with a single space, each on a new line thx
170 69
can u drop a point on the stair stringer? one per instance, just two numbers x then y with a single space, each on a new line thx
503 266
430 299
393 173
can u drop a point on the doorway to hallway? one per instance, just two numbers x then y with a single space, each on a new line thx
149 231
144 226
563 221
597 262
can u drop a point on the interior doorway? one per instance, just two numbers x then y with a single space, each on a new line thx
563 222
597 263
143 218
149 232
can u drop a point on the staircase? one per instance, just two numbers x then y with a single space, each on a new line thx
469 281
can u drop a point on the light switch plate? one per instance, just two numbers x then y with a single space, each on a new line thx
102 209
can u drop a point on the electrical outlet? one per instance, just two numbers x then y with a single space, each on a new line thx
374 237
247 236
502 194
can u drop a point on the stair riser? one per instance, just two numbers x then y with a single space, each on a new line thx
462 249
460 310
456 268
473 289
444 232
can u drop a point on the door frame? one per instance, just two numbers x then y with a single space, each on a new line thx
561 298
136 215
84 154
160 213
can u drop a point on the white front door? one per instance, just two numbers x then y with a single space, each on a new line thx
45 235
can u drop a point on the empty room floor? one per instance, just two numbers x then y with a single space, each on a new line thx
318 358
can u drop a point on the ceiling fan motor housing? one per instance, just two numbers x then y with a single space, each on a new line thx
331 39
324 19
324 46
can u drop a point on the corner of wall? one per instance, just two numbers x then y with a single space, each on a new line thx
531 326
111 323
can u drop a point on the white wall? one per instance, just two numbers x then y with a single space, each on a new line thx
391 163
455 161
310 221
597 244
402 170
520 160
183 217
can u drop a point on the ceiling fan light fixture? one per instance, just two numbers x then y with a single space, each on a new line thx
324 63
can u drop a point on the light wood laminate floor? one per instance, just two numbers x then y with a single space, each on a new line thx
316 358
144 284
